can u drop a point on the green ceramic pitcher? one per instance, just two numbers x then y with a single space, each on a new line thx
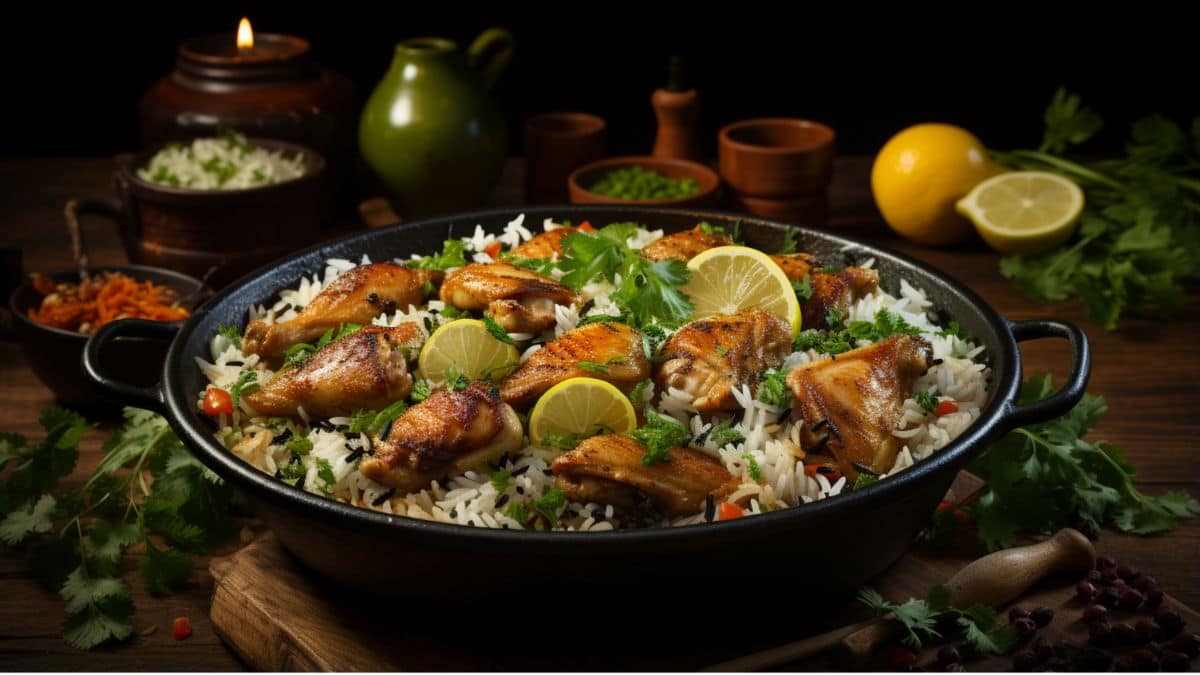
430 130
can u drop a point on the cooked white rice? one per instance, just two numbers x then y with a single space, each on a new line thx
472 499
227 162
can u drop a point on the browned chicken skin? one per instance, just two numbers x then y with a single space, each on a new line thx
708 358
614 346
356 296
520 300
850 404
365 370
608 469
684 245
545 245
446 434
829 290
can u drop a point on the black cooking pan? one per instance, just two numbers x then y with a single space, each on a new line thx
826 546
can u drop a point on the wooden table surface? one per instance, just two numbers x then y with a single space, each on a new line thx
1149 371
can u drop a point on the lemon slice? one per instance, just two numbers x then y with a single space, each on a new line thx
466 345
580 407
730 279
1024 211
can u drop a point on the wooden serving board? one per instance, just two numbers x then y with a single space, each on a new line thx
277 615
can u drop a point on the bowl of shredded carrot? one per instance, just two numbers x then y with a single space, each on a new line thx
54 314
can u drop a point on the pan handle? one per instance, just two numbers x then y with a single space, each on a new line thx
1061 402
149 398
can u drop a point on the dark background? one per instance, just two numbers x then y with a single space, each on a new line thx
74 78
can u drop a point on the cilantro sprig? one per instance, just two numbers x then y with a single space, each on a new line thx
649 291
919 618
301 352
1043 477
1139 235
77 539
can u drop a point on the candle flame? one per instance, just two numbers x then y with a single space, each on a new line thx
245 34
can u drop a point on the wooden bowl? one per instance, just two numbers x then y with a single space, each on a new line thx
589 174
55 355
776 158
227 232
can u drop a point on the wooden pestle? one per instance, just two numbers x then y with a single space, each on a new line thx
995 579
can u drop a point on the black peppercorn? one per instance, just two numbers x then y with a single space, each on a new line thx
1145 583
1095 614
1016 613
1124 634
1108 576
1087 591
1128 573
1105 562
1130 599
1144 660
1025 627
1109 597
1146 630
1154 598
1188 643
1042 616
1093 576
1041 648
1169 619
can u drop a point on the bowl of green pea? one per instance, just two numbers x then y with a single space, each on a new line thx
657 181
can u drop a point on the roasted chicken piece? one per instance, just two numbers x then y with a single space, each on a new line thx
608 469
545 245
613 350
850 404
520 300
356 296
365 370
829 289
708 358
684 245
446 434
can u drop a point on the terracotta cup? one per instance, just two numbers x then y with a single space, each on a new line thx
776 158
556 144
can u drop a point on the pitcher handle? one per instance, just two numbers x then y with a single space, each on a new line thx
490 53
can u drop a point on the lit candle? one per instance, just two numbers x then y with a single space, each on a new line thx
245 35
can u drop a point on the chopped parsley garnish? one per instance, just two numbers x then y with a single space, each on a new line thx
231 333
300 445
652 338
723 434
543 266
453 255
455 380
708 228
421 390
638 395
752 467
371 421
926 401
834 318
500 480
452 312
803 288
300 352
722 350
955 330
517 511
601 367
864 479
497 331
325 473
563 442
773 389
659 434
550 503
843 338
247 382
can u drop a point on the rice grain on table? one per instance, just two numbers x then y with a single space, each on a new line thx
769 436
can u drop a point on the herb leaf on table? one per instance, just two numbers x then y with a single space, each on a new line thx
147 483
1043 477
919 618
1139 235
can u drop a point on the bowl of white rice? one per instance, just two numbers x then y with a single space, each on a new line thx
218 206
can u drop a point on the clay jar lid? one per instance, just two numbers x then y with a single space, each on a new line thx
776 157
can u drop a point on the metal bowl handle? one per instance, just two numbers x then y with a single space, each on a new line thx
149 398
1064 399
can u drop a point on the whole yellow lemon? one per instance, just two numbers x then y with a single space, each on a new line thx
921 173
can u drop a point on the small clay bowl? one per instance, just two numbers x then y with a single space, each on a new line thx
56 355
588 174
776 157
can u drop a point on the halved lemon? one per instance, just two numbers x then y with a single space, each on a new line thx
1024 211
467 346
729 279
580 407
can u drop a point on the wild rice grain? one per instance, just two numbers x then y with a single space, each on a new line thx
710 508
383 496
501 501
520 470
